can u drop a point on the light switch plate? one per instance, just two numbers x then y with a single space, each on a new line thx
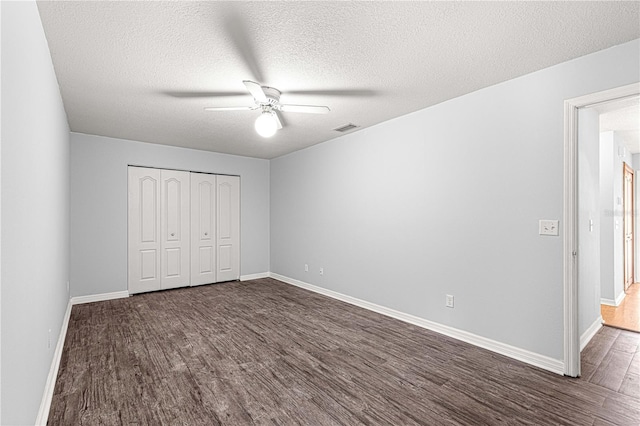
548 227
449 301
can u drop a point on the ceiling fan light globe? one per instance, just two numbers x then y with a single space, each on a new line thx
266 125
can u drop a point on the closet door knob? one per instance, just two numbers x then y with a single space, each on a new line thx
206 233
173 234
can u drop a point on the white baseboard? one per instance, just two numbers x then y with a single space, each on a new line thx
611 302
77 300
45 404
532 358
541 361
590 332
254 276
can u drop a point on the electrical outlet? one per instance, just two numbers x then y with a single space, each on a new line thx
306 267
548 227
49 340
67 286
449 301
321 271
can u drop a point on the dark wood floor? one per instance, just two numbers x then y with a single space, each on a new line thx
264 352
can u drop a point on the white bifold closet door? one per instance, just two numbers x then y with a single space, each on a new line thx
215 228
228 228
203 228
184 229
144 229
174 233
159 202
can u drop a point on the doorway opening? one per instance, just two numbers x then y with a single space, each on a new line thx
582 219
620 141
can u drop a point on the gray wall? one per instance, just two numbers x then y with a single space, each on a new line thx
612 220
588 219
446 200
99 205
618 236
35 212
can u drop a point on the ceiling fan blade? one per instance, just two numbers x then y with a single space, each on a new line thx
311 109
278 121
335 92
188 94
256 91
241 36
231 108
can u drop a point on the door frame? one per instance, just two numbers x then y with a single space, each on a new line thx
570 217
628 205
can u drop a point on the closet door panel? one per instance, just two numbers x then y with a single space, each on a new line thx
226 257
203 229
175 196
228 228
149 264
206 261
144 230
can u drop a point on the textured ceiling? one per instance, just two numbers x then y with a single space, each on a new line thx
145 70
622 117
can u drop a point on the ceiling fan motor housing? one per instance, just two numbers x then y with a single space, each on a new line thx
272 94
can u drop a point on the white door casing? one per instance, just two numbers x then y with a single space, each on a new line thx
228 228
570 216
144 229
203 229
175 219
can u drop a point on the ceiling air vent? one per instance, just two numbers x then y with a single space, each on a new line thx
346 128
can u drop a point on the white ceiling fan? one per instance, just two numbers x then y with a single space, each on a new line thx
268 100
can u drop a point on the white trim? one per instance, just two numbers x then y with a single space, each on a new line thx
611 302
590 332
78 300
571 341
45 404
0 212
570 215
544 362
254 276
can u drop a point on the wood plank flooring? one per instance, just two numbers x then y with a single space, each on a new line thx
627 315
263 352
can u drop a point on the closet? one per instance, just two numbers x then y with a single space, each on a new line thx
183 229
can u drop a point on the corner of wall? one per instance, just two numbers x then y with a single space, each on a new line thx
36 205
0 211
591 331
